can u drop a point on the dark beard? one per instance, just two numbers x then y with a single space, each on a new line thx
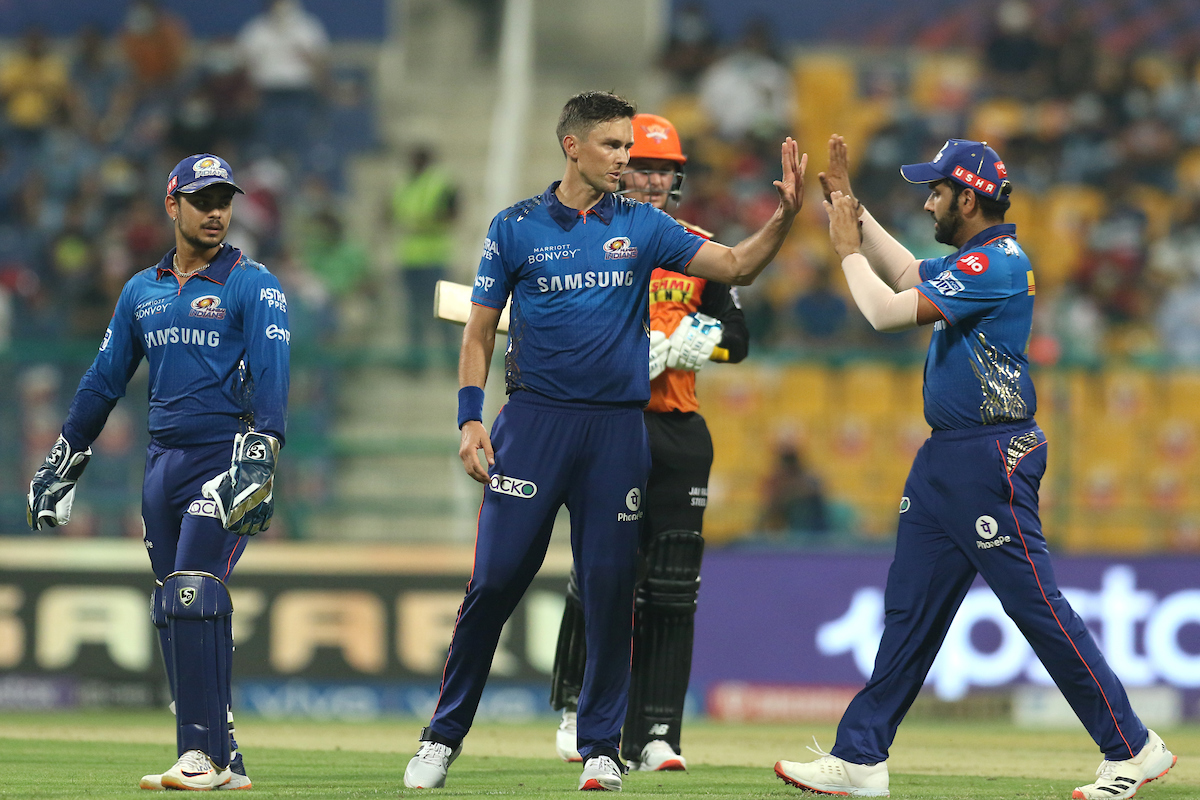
945 230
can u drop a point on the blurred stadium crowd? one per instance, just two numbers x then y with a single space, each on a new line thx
1095 107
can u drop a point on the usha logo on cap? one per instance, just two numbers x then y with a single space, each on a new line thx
974 181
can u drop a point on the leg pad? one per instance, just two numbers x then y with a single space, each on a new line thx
566 681
198 612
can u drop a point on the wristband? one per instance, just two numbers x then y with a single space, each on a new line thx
470 404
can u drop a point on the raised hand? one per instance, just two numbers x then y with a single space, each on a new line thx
791 188
844 227
837 177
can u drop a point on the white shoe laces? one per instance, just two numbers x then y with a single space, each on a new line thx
434 753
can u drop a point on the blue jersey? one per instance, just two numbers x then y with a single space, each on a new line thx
217 346
579 324
977 370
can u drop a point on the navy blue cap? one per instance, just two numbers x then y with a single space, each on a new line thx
195 172
973 164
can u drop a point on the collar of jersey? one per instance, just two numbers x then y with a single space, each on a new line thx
218 269
567 217
987 235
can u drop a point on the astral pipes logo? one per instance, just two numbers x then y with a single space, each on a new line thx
513 486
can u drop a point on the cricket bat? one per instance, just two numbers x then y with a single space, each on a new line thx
452 301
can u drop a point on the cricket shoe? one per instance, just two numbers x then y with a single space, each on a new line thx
658 756
600 773
831 775
428 768
1116 780
238 780
564 738
194 770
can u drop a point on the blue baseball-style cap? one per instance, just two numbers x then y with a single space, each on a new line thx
973 164
195 172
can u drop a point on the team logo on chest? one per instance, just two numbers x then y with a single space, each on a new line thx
619 247
207 307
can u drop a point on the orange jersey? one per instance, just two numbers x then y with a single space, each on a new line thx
673 296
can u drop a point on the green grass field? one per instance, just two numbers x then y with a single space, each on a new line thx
102 755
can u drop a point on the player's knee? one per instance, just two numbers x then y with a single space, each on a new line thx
672 580
195 595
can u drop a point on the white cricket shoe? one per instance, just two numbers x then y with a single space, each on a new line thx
428 768
237 778
194 770
1116 780
658 756
831 775
564 738
600 773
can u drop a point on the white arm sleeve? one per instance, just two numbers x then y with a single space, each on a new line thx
879 303
891 260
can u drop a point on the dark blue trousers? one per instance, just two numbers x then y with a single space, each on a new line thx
183 531
972 507
594 459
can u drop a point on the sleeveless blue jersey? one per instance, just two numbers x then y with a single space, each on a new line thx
579 324
977 370
217 346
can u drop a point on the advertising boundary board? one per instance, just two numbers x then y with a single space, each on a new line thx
358 631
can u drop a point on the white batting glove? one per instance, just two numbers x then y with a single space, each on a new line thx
660 345
693 342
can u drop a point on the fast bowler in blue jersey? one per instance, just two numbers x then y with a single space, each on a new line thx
970 504
212 325
576 261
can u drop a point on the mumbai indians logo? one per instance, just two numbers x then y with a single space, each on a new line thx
619 247
187 595
209 166
656 132
513 486
207 307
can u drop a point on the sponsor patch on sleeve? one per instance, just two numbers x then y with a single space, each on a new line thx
947 285
972 263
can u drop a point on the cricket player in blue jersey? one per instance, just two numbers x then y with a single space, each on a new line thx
970 504
576 261
212 323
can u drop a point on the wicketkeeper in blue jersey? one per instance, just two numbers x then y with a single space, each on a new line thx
212 323
970 504
576 261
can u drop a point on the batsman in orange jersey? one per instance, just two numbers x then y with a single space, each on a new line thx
692 321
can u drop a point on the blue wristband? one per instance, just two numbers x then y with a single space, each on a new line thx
470 404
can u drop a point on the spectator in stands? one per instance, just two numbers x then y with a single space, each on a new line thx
101 90
155 43
340 263
34 87
691 46
424 209
286 50
1014 55
794 499
748 91
819 312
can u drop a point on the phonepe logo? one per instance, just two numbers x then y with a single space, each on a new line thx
1142 636
633 501
513 486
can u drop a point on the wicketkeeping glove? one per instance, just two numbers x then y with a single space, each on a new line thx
660 345
52 490
243 495
693 342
